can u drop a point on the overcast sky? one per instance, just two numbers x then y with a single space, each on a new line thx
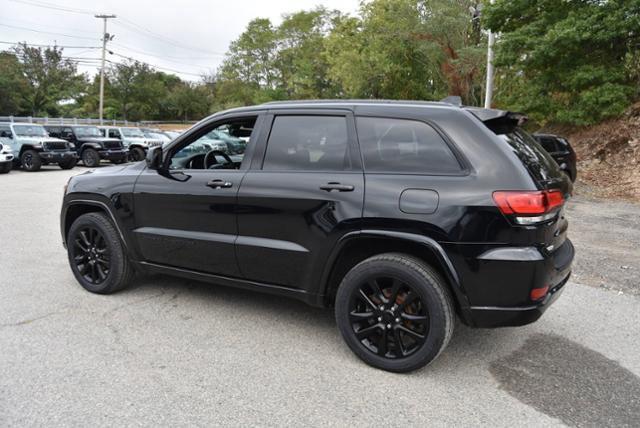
188 36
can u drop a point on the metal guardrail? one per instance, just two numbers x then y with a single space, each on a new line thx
66 121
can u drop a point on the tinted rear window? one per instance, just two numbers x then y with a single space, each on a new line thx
538 162
409 146
308 143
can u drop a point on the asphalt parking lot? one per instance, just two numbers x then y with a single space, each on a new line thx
174 352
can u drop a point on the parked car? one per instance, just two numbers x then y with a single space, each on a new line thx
156 134
32 147
133 140
400 215
561 151
6 156
91 146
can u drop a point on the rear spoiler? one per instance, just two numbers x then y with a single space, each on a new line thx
499 121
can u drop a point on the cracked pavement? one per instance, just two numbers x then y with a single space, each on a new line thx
173 352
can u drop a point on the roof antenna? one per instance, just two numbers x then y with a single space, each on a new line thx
452 99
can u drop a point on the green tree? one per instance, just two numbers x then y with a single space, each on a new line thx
566 61
12 85
49 76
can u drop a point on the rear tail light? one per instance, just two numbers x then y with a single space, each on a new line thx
529 207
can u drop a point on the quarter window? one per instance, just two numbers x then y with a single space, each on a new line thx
399 145
308 143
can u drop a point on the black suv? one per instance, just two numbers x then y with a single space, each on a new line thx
561 151
90 144
400 215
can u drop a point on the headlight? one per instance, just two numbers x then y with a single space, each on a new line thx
72 146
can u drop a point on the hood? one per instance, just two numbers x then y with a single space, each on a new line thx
40 140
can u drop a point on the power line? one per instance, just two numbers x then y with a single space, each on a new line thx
156 66
130 25
48 32
49 46
164 56
54 7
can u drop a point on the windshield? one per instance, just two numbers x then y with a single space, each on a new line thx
87 131
30 131
132 132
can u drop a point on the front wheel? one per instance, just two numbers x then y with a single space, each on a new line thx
68 164
136 154
30 161
97 255
90 157
394 311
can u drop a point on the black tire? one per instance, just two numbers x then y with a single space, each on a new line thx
137 154
117 162
68 164
405 318
5 167
30 161
97 256
90 157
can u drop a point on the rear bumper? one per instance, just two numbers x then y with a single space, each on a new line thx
58 156
114 154
498 282
488 316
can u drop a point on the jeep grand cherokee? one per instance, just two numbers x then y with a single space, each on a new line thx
399 215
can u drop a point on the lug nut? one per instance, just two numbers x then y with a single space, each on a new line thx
397 319
379 319
388 325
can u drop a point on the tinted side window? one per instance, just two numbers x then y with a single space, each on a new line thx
5 132
113 133
398 145
308 143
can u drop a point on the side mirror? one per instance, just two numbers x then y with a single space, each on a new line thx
154 158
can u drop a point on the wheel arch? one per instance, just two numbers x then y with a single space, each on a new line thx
75 208
357 246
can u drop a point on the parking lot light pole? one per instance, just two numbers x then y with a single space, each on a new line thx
105 38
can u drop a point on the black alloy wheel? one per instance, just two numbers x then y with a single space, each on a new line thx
90 158
91 255
395 312
30 160
389 317
97 255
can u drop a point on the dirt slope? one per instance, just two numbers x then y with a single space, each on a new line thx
609 156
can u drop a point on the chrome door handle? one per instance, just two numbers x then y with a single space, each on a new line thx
337 186
219 184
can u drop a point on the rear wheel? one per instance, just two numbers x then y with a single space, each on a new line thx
5 167
97 256
90 157
30 160
136 154
68 164
394 312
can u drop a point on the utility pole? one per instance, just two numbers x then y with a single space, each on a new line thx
105 38
489 90
488 94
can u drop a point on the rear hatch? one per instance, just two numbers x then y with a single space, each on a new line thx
551 226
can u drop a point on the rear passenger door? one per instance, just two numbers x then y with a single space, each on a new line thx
304 190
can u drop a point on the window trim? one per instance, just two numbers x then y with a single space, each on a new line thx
199 130
352 144
465 166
